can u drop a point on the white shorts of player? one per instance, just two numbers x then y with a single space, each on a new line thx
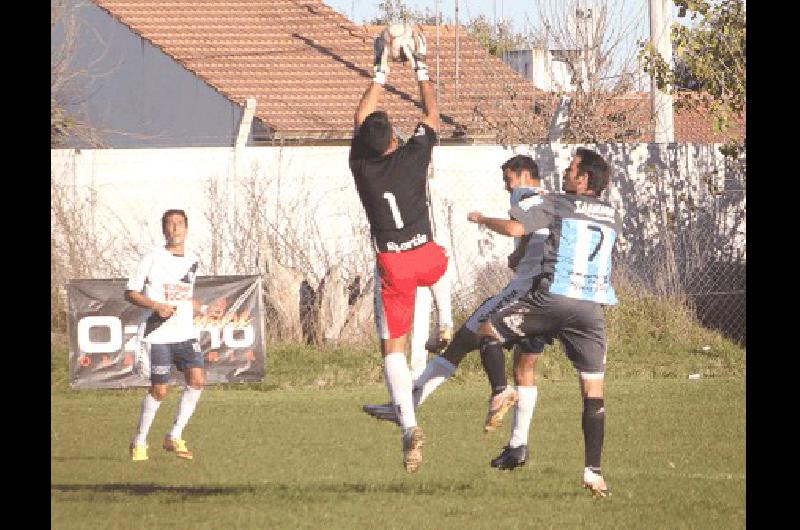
512 292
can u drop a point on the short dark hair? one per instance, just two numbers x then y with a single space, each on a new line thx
173 212
520 163
377 131
593 165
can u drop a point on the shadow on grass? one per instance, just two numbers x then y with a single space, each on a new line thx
278 489
86 458
149 489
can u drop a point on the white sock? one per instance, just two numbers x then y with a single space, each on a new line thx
146 415
436 373
420 332
186 407
523 414
444 307
398 379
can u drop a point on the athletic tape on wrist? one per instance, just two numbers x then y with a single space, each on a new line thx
422 74
380 78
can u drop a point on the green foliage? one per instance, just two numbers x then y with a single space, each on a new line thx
391 11
712 50
648 337
59 357
495 38
60 124
500 38
674 457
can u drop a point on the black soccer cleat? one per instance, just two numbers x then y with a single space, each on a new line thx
511 457
437 343
385 412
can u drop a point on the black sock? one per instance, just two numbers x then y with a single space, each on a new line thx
464 341
594 427
494 363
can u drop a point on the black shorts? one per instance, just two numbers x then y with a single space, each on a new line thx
186 354
578 324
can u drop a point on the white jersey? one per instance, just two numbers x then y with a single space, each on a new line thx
169 279
531 263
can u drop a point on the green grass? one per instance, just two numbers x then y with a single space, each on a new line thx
294 451
308 458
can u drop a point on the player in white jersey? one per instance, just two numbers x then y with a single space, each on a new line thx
521 177
163 283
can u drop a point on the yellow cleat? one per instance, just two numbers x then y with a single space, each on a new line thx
178 447
138 452
499 405
413 440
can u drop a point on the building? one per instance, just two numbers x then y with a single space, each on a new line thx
181 73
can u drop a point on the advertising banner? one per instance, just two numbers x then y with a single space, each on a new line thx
104 346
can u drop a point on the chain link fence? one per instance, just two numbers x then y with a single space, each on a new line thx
292 214
698 252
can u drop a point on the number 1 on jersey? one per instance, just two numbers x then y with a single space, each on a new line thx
398 221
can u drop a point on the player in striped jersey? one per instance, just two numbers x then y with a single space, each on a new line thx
569 298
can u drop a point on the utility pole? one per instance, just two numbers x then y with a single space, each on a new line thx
438 23
662 104
457 51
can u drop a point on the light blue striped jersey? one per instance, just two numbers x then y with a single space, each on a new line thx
577 255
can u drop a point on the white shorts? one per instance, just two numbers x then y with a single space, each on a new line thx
510 294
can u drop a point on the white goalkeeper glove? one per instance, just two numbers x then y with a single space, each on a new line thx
380 66
418 57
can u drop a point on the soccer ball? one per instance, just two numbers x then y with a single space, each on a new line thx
399 35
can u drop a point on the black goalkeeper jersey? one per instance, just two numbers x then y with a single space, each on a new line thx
394 190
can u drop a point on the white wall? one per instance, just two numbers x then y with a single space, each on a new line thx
309 192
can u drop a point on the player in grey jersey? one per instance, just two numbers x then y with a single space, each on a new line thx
568 301
521 177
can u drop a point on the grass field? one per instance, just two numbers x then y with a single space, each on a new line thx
272 457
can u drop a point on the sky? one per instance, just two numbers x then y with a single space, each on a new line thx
360 11
631 14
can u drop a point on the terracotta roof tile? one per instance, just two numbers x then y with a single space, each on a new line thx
691 125
307 66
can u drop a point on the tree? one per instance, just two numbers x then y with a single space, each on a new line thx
63 38
711 50
72 78
496 38
501 37
591 37
397 11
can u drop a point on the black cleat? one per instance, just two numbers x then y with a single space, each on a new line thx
440 340
511 457
385 412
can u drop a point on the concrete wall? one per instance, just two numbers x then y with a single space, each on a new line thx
302 201
538 66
